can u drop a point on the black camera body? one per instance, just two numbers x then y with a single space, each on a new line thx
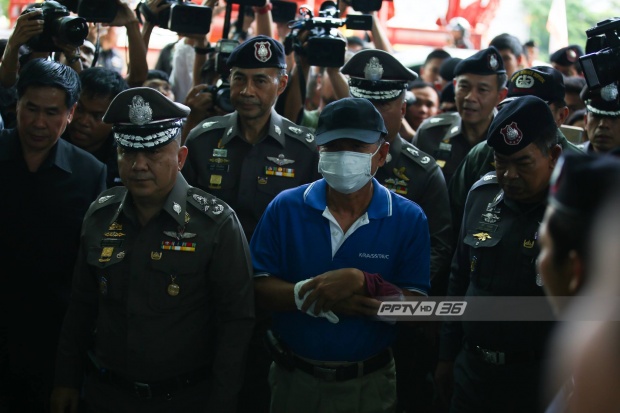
221 95
57 23
324 46
100 11
223 49
182 17
601 63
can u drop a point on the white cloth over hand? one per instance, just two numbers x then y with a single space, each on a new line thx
331 317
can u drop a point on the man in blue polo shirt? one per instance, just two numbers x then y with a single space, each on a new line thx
319 265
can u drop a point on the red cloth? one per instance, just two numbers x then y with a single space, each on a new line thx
378 287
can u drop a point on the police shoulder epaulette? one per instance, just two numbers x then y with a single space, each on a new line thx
298 132
207 203
419 157
489 178
444 119
111 196
209 124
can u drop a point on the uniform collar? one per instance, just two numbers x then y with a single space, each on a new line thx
380 206
58 154
276 128
175 205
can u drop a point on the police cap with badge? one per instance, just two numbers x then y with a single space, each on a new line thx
144 119
485 62
602 101
258 52
519 123
377 75
544 82
567 56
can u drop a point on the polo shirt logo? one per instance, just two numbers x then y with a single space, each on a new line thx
374 256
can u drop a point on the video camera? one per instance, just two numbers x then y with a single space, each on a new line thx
221 91
57 23
324 47
183 16
601 63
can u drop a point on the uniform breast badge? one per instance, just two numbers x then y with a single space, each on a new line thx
279 171
400 173
482 236
156 256
173 288
280 160
178 246
106 254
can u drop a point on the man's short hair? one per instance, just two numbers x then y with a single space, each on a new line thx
437 54
574 84
48 73
99 81
507 41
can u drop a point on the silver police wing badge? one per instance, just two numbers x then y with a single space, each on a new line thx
294 129
179 235
208 124
105 198
140 112
280 160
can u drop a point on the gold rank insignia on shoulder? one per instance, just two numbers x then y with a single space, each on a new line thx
156 256
280 160
115 226
528 243
482 236
400 173
208 124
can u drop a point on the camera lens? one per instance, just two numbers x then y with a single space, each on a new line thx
71 30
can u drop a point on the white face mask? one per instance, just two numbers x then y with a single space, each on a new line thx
345 171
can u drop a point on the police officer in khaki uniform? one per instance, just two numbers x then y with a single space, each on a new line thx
479 85
497 364
249 156
378 76
162 303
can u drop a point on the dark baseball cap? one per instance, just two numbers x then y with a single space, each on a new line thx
352 118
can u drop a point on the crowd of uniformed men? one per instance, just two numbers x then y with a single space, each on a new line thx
214 254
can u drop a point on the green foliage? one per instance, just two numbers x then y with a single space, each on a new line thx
578 15
4 8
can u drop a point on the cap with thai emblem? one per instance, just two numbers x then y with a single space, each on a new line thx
544 82
485 62
143 118
518 124
377 75
567 56
602 101
258 52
